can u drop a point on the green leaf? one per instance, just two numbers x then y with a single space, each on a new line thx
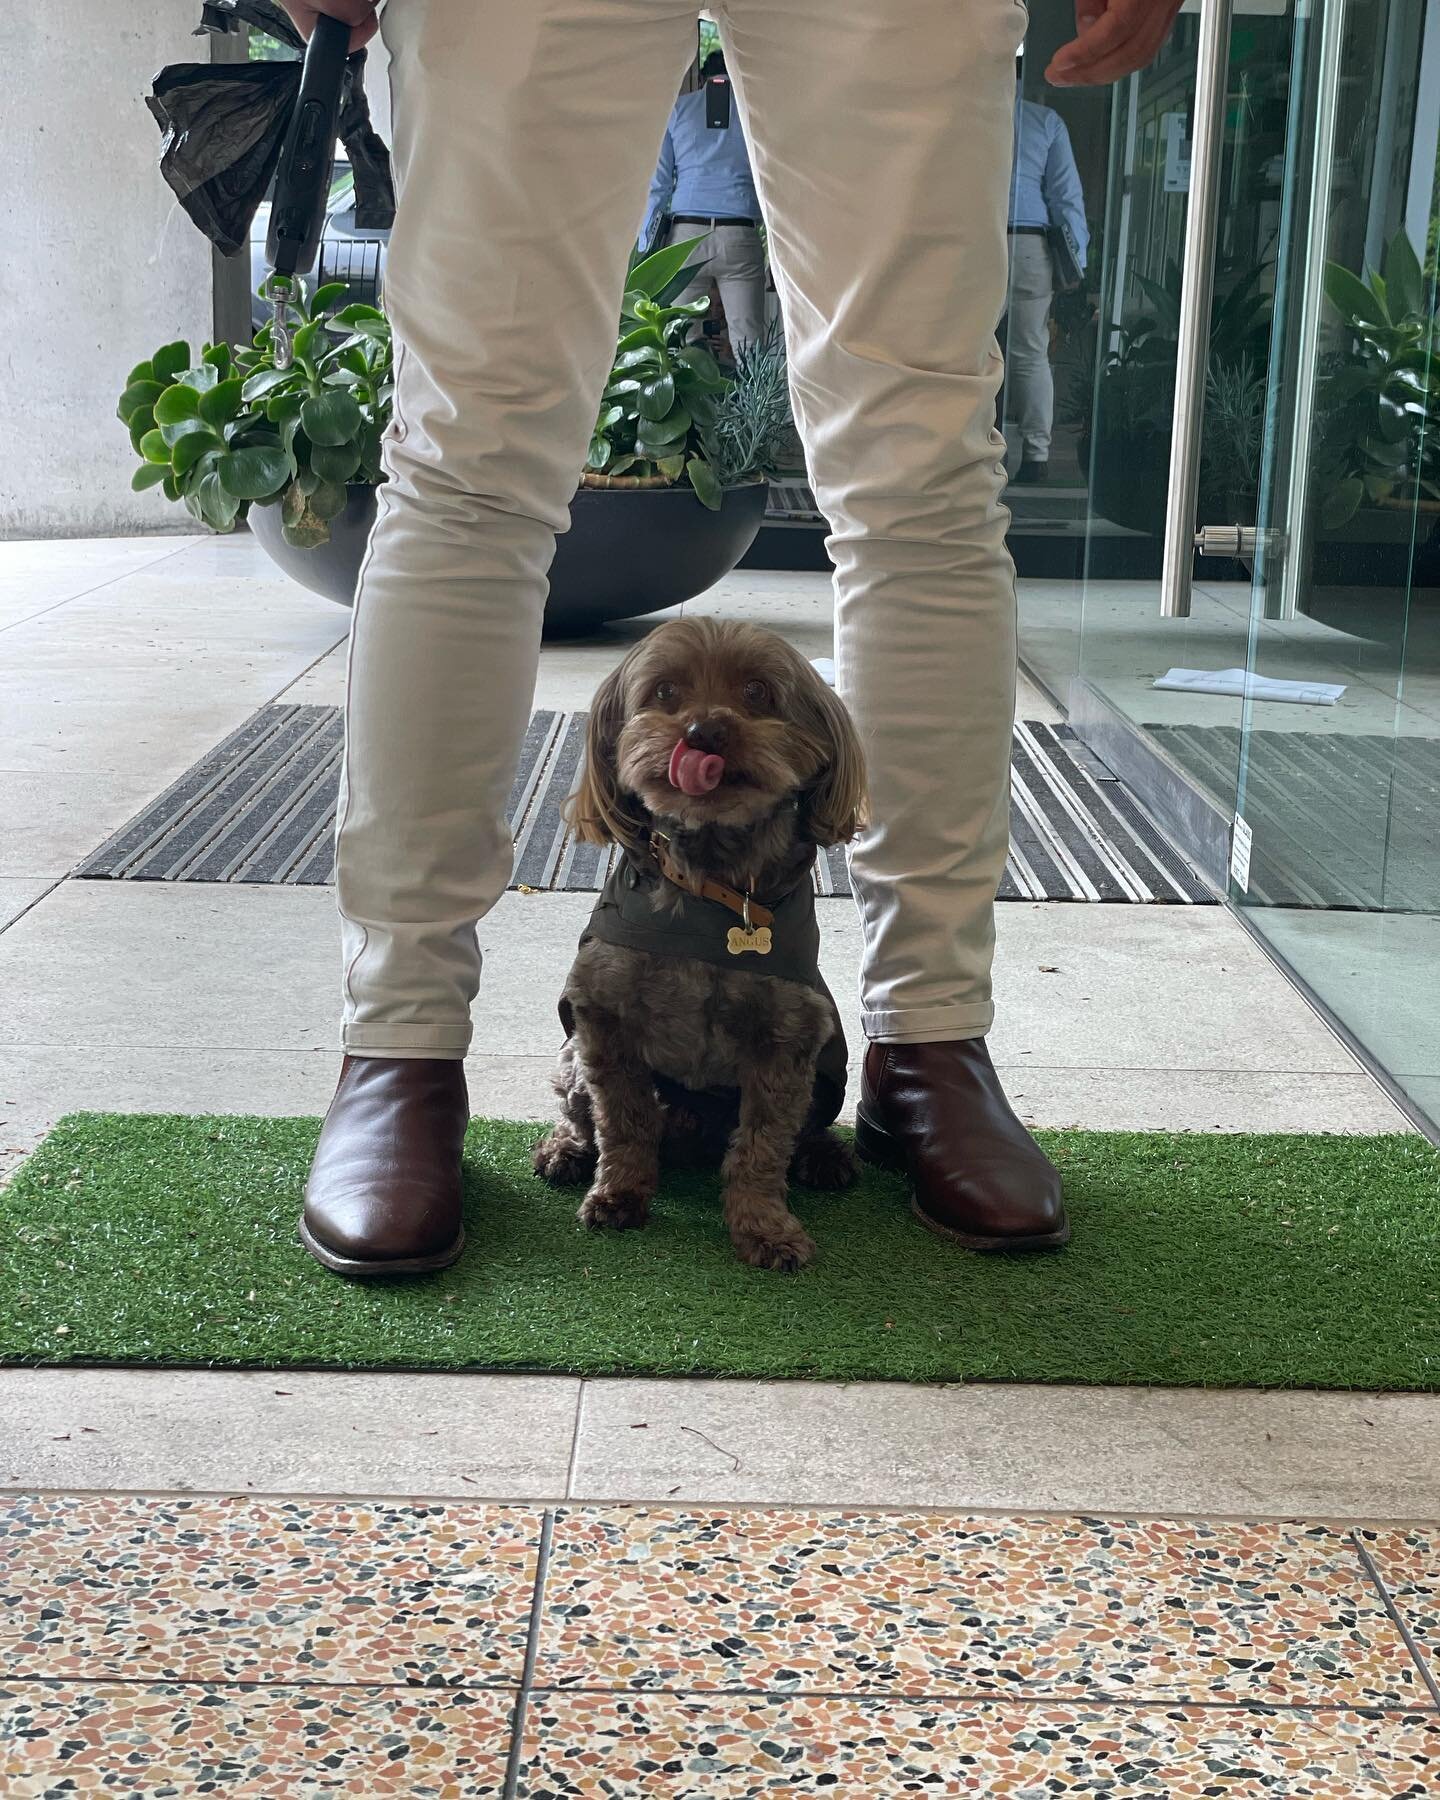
359 314
257 386
137 395
218 506
1404 280
599 453
200 376
141 424
331 417
325 297
1342 503
705 482
148 475
143 371
335 462
223 402
656 397
672 467
168 361
170 486
669 429
610 415
1352 299
306 339
280 407
185 452
629 385
644 337
659 269
177 404
219 357
328 499
154 448
255 473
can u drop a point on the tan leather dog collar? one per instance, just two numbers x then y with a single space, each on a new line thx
705 887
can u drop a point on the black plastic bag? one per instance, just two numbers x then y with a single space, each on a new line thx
224 123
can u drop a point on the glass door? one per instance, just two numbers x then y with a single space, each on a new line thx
1186 219
1338 783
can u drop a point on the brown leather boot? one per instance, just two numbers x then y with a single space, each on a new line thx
938 1112
383 1196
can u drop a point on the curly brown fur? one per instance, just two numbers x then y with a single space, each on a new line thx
654 1036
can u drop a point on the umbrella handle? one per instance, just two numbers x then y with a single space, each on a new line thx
307 156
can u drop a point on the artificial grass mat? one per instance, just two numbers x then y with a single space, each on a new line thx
1286 1261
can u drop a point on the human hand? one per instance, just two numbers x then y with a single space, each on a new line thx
358 14
1115 37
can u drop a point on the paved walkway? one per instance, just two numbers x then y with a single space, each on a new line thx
274 1585
284 1648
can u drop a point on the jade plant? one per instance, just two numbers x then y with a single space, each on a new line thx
659 403
232 430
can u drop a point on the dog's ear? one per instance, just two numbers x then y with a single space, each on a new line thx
834 806
598 811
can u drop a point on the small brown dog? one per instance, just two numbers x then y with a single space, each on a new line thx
697 1019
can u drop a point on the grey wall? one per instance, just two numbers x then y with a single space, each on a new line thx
98 265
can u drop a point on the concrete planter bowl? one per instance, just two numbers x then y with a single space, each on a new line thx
628 551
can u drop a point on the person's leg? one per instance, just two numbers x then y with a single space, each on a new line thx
739 268
701 261
1027 347
524 136
881 138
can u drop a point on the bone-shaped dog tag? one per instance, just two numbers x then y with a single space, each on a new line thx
739 941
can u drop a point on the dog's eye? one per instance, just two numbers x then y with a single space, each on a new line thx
666 693
756 693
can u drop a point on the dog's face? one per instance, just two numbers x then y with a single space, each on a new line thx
715 723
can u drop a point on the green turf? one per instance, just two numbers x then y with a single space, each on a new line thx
1216 1261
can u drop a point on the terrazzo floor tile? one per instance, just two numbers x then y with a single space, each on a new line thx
918 1604
1408 1563
129 1589
256 1743
644 1747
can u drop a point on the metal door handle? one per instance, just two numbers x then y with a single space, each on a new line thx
1197 288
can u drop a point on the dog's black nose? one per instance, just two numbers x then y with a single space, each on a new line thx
710 735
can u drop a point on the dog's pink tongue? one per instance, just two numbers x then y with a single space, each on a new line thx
695 772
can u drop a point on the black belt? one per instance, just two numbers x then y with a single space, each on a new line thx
695 219
1029 231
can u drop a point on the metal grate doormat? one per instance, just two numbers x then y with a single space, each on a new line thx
1347 822
260 808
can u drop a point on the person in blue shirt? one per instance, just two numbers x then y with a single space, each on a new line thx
1045 193
704 186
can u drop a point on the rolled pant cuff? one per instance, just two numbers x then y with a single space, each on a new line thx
928 1025
440 1043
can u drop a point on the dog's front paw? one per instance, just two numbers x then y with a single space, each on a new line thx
824 1161
604 1209
563 1160
785 1251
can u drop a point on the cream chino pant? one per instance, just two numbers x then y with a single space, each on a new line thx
525 137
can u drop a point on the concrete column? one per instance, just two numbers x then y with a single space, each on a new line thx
98 265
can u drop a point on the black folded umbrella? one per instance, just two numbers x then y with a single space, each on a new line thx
224 123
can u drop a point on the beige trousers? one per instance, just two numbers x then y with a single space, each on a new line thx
525 135
1031 400
731 257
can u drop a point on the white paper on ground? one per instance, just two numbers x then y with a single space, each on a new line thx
1257 687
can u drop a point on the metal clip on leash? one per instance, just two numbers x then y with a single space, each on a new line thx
302 178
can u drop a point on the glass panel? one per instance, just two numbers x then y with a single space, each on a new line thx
1101 640
1344 799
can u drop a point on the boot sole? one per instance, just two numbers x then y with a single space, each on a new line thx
873 1144
400 1265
